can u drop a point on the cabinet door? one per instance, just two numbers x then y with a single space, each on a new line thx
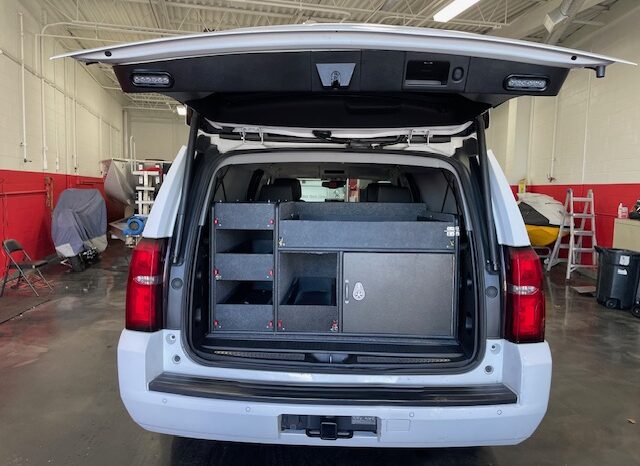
399 293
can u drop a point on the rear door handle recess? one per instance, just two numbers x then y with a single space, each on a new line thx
346 291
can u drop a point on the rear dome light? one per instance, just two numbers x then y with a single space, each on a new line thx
525 297
144 286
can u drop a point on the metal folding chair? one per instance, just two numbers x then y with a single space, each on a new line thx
22 265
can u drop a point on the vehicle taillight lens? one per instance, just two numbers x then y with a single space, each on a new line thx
525 297
144 286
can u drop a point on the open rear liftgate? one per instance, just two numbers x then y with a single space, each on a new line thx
328 268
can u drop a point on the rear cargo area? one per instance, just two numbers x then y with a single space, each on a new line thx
385 281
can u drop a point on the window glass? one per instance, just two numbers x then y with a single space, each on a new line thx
313 191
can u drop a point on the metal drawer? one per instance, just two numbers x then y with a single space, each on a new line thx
244 267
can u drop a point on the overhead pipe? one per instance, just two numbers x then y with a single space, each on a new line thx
155 109
23 193
343 11
90 39
54 85
561 18
346 12
40 40
24 97
111 27
460 22
222 9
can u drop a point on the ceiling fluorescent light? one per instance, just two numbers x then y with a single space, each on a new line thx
181 110
453 9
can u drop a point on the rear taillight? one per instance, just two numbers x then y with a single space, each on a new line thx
144 286
525 297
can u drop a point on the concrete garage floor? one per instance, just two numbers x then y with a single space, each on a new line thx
59 401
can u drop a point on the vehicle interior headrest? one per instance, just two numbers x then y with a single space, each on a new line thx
296 188
281 190
382 192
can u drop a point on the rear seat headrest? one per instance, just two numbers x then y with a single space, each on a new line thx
381 192
296 188
371 192
389 193
281 190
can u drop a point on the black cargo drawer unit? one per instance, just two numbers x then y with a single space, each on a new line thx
363 236
243 216
243 266
328 268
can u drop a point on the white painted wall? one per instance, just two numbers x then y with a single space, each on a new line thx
509 136
590 132
83 122
157 135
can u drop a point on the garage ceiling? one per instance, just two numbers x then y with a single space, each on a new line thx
93 23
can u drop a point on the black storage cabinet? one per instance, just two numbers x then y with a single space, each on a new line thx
324 268
393 293
618 275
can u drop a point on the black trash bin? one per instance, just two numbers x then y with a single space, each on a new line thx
635 310
618 276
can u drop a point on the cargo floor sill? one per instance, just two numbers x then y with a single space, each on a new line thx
477 395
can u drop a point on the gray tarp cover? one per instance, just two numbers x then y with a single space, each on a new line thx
79 222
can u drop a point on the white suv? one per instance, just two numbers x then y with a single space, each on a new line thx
406 310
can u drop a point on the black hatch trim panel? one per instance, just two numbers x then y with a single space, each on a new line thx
202 387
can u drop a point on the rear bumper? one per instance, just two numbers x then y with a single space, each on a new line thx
147 358
350 395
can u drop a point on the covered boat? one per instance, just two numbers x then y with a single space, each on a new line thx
542 216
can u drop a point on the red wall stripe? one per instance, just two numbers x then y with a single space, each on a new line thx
25 216
24 213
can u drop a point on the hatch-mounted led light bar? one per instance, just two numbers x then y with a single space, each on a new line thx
526 83
151 79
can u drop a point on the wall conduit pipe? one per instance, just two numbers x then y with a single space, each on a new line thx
24 97
43 106
75 117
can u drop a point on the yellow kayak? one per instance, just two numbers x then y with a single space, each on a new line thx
542 236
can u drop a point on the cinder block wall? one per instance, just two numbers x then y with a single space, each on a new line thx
157 134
